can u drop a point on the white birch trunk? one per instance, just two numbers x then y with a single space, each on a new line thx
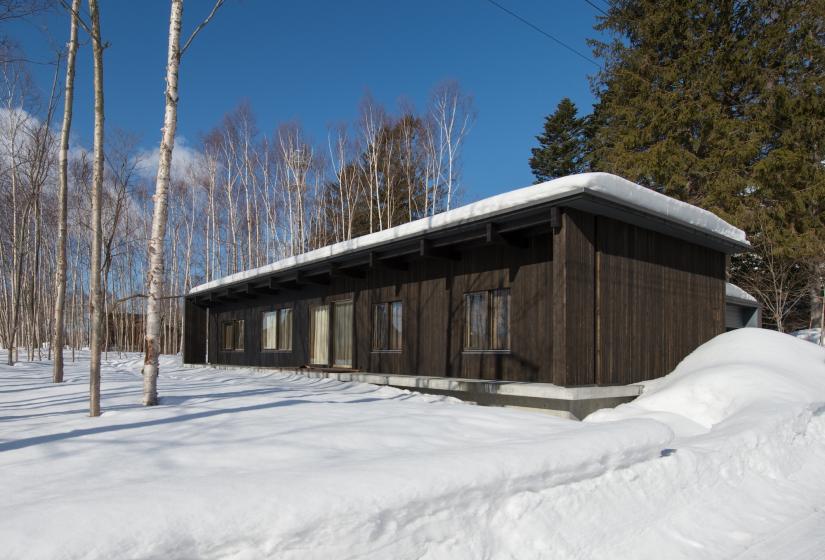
95 290
156 264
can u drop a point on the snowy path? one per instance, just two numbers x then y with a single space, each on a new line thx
241 464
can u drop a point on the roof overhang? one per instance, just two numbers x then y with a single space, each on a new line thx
510 226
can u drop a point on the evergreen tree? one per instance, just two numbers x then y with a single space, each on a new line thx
720 103
563 145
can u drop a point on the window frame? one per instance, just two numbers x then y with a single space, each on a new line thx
233 324
389 304
313 334
277 327
333 332
489 321
224 346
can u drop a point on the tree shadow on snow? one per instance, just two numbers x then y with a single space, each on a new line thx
48 438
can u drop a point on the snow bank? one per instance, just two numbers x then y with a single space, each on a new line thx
740 375
601 185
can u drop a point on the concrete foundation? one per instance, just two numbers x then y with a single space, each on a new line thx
568 402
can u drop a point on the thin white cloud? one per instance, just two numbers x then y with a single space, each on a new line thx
184 157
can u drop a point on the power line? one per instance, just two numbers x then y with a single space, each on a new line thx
595 6
545 33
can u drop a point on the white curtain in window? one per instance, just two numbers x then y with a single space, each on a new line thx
269 331
477 321
228 336
500 324
239 339
396 327
379 327
285 329
320 335
342 343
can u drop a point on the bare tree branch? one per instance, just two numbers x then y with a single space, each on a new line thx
197 30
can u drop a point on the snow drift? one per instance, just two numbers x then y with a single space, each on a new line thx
741 376
721 459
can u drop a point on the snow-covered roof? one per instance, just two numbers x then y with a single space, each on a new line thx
604 186
735 292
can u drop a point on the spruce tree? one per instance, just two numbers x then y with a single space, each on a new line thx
563 145
720 103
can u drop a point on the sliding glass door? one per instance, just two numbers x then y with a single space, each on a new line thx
342 333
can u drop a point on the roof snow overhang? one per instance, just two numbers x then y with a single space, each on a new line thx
509 218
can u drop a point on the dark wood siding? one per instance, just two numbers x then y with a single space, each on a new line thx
658 299
575 305
432 292
194 342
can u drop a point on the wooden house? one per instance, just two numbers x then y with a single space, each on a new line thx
581 282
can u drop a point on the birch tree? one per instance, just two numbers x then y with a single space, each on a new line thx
452 116
62 195
95 288
159 216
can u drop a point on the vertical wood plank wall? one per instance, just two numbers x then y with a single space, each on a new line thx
574 302
597 302
194 342
659 298
432 292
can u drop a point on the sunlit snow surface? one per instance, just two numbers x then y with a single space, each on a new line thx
725 458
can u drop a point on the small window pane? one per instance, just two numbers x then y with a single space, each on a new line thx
477 320
228 336
379 327
269 330
285 329
396 326
500 323
238 335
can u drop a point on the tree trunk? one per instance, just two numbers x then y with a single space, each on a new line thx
156 264
818 301
95 288
62 198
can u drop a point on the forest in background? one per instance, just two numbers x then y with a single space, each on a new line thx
241 199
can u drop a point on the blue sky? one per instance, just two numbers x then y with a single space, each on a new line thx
312 62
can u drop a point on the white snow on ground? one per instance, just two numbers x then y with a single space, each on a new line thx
811 335
722 459
600 185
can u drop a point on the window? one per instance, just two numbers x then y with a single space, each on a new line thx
238 335
342 334
331 327
228 336
487 319
232 334
276 330
285 329
387 326
319 329
269 331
